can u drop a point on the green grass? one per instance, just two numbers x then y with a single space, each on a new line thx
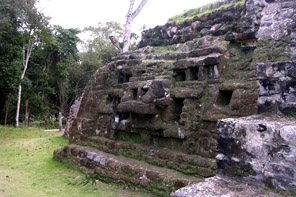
27 167
200 11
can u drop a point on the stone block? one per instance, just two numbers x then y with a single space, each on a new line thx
259 148
277 87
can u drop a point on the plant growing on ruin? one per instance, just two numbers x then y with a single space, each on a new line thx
93 178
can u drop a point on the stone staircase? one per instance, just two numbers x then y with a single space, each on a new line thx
163 157
140 121
133 173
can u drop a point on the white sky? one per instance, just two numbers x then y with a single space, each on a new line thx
82 13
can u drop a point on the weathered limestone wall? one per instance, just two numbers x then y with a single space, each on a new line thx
261 148
217 23
276 72
155 110
277 87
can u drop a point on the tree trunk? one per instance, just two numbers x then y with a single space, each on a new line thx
127 34
7 104
128 25
18 105
27 113
26 57
60 121
61 95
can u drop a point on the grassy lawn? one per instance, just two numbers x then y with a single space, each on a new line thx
27 168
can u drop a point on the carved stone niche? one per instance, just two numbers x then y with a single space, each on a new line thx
188 74
180 75
212 71
123 77
224 97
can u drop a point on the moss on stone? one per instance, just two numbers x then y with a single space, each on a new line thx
203 10
205 98
291 115
238 63
223 45
269 50
145 138
243 170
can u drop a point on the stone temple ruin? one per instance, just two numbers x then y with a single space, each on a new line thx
212 96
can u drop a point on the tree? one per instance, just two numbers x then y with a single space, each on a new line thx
62 57
10 53
35 63
47 83
98 51
9 66
131 15
36 85
99 46
32 24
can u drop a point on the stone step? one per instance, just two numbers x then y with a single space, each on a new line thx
224 186
160 181
128 62
167 56
172 55
204 52
162 157
206 60
128 56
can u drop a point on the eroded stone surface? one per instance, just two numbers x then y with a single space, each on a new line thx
220 186
216 23
72 115
260 149
277 87
277 20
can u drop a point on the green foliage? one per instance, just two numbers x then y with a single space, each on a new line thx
10 60
49 71
99 49
104 30
56 73
63 56
46 84
10 48
93 179
21 26
240 3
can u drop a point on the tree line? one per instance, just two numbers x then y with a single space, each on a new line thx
41 70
